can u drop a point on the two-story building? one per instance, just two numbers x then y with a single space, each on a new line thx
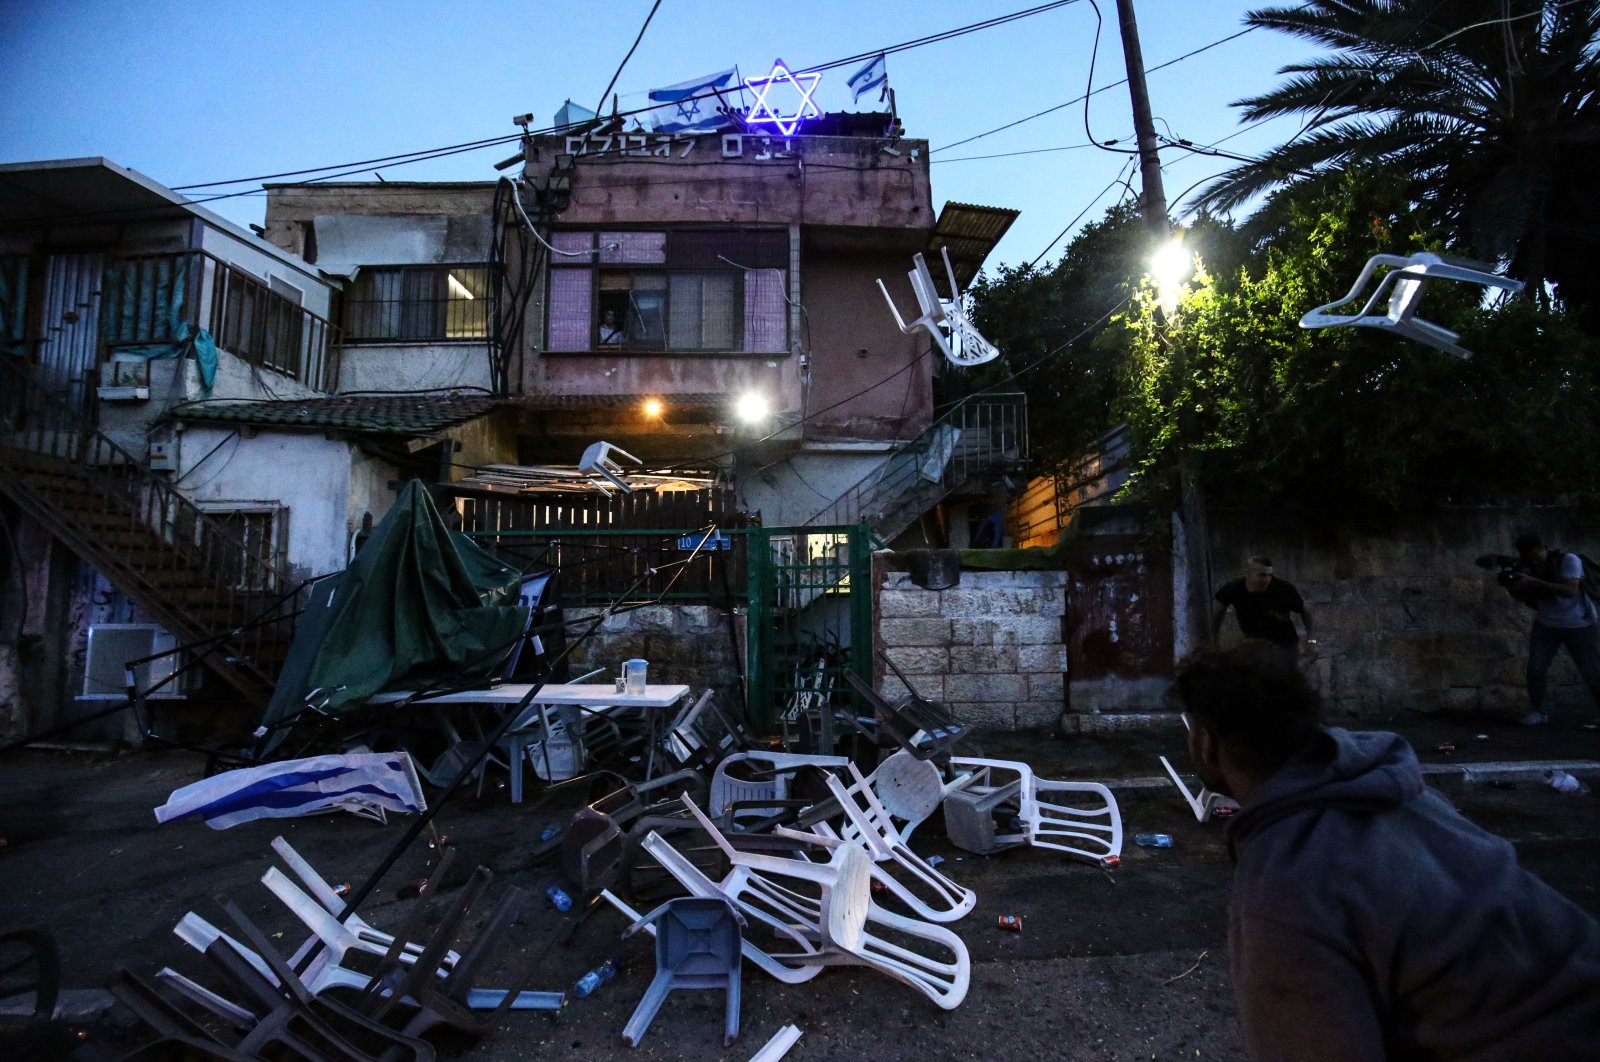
201 418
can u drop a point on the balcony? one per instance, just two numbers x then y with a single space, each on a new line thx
146 299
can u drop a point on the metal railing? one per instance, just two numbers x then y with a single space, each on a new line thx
155 545
147 297
982 437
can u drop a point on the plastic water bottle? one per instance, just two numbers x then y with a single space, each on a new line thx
558 897
1153 840
1562 782
595 978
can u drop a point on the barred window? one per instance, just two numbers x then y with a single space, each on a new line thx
690 290
418 303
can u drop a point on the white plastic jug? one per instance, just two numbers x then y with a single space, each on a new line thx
633 675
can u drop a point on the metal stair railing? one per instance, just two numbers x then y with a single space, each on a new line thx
981 436
178 563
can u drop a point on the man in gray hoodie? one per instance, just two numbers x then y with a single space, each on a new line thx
1370 919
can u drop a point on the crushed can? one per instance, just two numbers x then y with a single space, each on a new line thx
1011 922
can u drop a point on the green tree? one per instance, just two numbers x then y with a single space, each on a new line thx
1350 421
1492 106
1053 328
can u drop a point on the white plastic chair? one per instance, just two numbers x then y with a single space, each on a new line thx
1093 832
690 877
910 790
596 461
1203 803
331 902
839 919
868 824
971 347
728 789
1403 286
328 969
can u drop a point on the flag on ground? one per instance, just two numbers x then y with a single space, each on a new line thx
875 75
687 107
364 783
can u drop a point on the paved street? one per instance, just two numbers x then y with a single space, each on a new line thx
1106 967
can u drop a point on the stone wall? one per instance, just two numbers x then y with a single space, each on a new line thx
991 648
1404 620
690 644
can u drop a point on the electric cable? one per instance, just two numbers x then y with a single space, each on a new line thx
613 82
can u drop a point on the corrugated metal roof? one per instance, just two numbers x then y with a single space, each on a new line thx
423 414
968 233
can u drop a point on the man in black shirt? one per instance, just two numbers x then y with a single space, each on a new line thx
1262 602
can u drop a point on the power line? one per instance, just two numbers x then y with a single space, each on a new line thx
473 145
613 82
1096 92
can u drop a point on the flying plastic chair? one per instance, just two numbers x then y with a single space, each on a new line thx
970 347
1403 287
597 461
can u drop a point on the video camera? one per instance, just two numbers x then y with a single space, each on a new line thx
1506 567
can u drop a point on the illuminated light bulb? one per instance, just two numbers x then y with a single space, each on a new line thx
1170 267
653 407
751 408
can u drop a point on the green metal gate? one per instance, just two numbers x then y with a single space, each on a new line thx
810 618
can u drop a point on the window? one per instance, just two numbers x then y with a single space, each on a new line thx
418 303
251 549
691 290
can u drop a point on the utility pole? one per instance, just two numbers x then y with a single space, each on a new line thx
1194 618
1154 204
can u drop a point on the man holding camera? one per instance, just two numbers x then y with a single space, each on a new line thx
1550 582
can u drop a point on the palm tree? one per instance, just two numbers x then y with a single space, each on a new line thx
1491 106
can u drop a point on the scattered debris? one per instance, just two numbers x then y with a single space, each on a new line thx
1190 970
1011 922
1153 840
779 1045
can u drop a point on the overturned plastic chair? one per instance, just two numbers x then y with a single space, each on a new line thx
1092 832
1403 286
319 889
970 346
698 945
596 461
835 927
928 893
769 788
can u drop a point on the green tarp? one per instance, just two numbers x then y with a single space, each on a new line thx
419 603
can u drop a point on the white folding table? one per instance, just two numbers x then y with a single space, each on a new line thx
654 699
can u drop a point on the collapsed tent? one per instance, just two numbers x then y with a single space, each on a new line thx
418 604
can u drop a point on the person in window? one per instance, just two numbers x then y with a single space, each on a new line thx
610 331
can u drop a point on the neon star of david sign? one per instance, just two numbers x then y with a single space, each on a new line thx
765 113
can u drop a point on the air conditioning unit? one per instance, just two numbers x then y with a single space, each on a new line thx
113 645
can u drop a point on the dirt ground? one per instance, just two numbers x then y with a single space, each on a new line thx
1123 965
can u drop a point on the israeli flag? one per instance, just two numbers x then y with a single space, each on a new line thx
875 75
680 112
364 783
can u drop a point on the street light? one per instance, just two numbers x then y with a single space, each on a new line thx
1170 266
751 408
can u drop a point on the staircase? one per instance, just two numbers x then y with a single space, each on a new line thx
179 565
969 448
